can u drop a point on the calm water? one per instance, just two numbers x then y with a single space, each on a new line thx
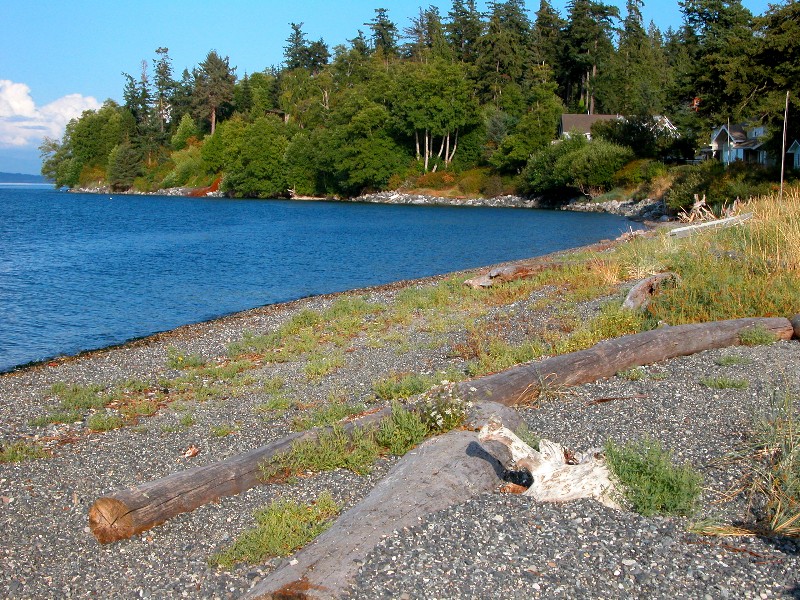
80 271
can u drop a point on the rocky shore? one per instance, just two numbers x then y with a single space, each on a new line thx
641 210
496 546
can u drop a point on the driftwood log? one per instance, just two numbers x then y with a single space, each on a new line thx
641 294
500 275
555 477
688 230
524 383
442 471
130 511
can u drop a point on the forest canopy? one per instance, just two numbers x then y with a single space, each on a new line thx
445 93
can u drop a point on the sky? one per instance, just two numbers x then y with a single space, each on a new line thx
60 58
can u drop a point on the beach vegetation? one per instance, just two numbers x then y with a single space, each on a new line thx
282 527
650 482
20 451
724 383
104 421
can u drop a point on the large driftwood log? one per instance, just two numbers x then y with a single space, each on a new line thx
442 471
688 230
128 512
641 294
523 384
556 479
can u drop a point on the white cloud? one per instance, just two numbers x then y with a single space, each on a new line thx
22 123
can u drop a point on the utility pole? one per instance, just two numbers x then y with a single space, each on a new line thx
783 149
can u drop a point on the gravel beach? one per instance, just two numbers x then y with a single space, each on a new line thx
494 546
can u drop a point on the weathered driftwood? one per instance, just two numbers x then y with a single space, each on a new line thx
442 471
641 294
524 383
709 225
555 478
500 275
130 511
795 321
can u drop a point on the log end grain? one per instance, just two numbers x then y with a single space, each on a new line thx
795 321
111 520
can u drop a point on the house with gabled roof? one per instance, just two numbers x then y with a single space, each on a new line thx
579 123
740 142
794 150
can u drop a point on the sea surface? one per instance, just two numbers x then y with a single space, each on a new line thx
84 271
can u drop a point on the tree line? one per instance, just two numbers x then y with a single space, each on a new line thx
445 93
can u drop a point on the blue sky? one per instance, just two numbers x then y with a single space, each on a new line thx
59 58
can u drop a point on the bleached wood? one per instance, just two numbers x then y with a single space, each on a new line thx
554 478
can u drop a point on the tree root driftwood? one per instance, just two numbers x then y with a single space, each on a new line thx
640 294
558 475
442 471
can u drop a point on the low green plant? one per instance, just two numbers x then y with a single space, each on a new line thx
21 451
104 421
273 385
178 359
320 365
62 416
222 430
281 528
724 383
275 403
634 374
78 397
756 336
187 420
399 386
401 431
732 360
332 412
649 480
331 450
139 408
529 437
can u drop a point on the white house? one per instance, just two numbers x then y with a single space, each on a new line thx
794 150
732 143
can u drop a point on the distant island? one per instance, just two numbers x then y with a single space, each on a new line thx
21 178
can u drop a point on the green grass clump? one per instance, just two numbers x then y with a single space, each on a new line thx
104 421
331 450
60 416
282 527
275 404
634 374
177 359
78 397
401 431
273 385
757 336
320 365
732 361
21 451
650 482
725 383
399 386
329 414
222 430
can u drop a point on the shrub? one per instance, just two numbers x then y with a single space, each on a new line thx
650 482
592 167
640 171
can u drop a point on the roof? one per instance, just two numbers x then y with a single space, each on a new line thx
582 123
794 148
737 136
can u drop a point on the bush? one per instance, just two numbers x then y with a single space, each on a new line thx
719 185
639 171
540 177
651 483
593 166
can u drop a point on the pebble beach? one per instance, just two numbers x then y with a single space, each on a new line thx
494 546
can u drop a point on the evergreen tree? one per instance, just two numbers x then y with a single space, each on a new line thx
384 34
464 30
588 46
546 37
214 82
503 55
426 36
124 166
163 87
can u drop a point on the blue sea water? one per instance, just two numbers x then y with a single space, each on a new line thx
82 271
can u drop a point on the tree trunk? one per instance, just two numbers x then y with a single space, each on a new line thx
443 471
523 384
